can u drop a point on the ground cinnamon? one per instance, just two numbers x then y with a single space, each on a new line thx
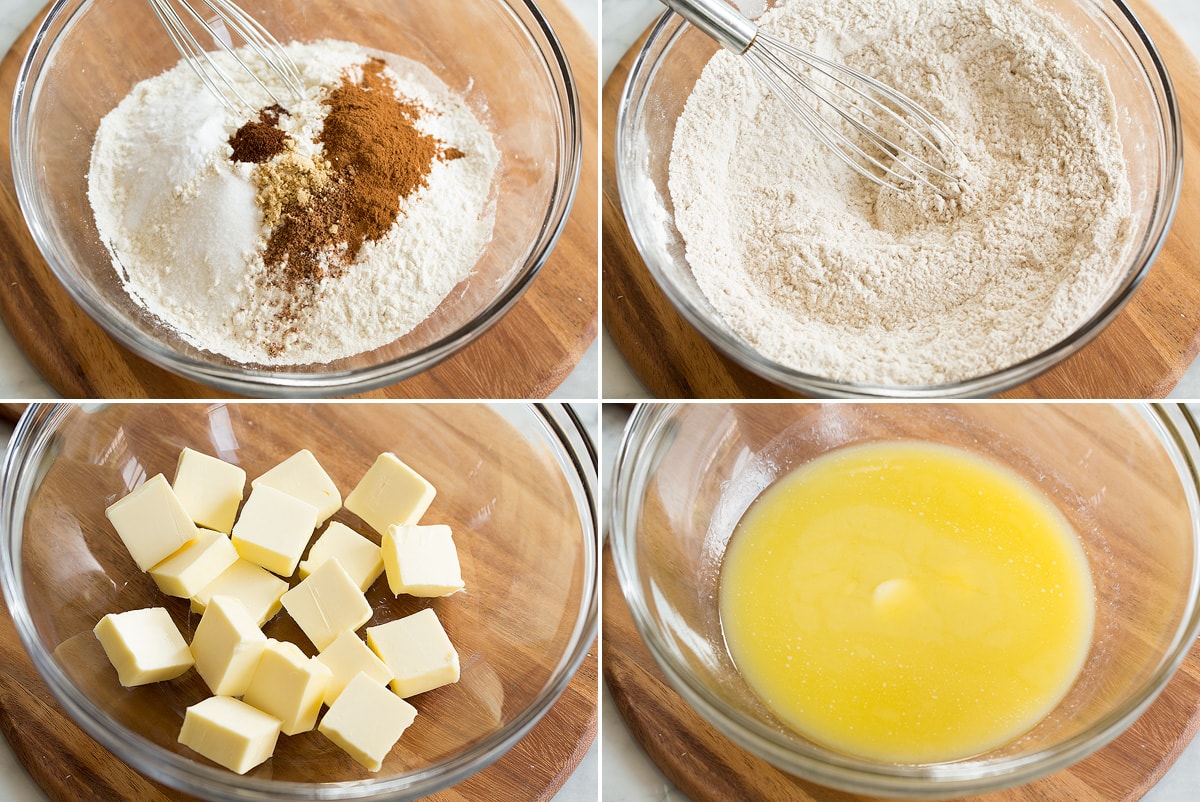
377 158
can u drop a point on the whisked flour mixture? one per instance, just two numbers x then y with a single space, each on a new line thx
301 235
826 272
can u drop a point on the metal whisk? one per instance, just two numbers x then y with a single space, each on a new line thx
226 24
865 104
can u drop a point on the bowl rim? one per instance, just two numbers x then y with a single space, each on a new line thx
667 30
1178 433
304 381
31 435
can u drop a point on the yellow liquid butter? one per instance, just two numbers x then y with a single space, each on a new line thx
906 602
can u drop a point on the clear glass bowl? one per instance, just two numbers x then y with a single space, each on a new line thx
1125 476
501 55
667 68
515 482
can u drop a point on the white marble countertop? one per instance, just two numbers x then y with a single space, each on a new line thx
17 786
18 377
631 776
625 20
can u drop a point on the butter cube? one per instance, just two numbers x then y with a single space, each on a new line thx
347 657
229 732
326 604
209 489
301 476
254 586
186 572
227 646
421 560
390 493
273 529
143 646
366 720
360 557
151 522
289 686
417 651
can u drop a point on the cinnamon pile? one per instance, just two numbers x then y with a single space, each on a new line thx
321 211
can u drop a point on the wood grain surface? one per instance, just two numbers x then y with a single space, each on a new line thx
547 330
1141 354
708 767
505 627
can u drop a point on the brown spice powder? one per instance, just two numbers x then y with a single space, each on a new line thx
260 140
377 158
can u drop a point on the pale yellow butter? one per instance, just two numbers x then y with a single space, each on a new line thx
209 489
326 604
273 529
421 560
230 732
367 720
390 493
346 657
417 651
227 646
151 522
300 475
144 646
253 585
189 570
360 557
289 686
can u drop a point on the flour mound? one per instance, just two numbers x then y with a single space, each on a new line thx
186 236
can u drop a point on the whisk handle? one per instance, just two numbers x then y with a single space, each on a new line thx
718 20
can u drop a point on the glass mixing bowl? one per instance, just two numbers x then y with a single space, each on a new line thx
667 68
515 482
1125 476
500 55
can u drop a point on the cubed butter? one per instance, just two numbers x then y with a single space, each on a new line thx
417 651
143 646
256 587
360 557
189 570
230 732
209 489
300 475
421 560
326 604
273 529
227 646
289 686
347 657
390 493
151 522
366 720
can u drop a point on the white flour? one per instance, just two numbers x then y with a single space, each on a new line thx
180 220
822 270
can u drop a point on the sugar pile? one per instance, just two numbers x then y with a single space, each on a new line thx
185 227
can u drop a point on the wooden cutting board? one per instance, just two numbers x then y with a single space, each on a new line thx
549 328
1141 354
709 767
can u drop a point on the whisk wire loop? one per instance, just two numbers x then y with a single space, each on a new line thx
866 106
864 113
236 23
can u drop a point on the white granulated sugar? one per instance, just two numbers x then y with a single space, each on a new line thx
180 221
824 271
